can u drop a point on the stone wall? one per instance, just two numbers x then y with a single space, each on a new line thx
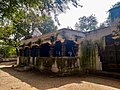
98 34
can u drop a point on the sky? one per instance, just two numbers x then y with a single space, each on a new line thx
97 7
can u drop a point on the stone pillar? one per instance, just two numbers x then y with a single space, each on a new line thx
79 56
41 64
63 50
18 60
31 60
54 66
35 61
98 63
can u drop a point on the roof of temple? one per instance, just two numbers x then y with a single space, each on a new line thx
46 37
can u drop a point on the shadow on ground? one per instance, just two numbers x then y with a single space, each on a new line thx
42 81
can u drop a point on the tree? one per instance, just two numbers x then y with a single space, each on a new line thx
116 5
12 34
19 13
15 8
25 28
18 16
47 26
77 27
105 23
86 23
5 36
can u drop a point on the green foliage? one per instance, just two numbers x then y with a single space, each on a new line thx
105 23
11 8
89 52
17 17
47 26
86 23
7 51
5 36
5 32
25 26
88 58
12 34
116 5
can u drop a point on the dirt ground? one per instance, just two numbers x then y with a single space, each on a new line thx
33 80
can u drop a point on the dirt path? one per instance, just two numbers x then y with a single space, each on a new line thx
31 80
